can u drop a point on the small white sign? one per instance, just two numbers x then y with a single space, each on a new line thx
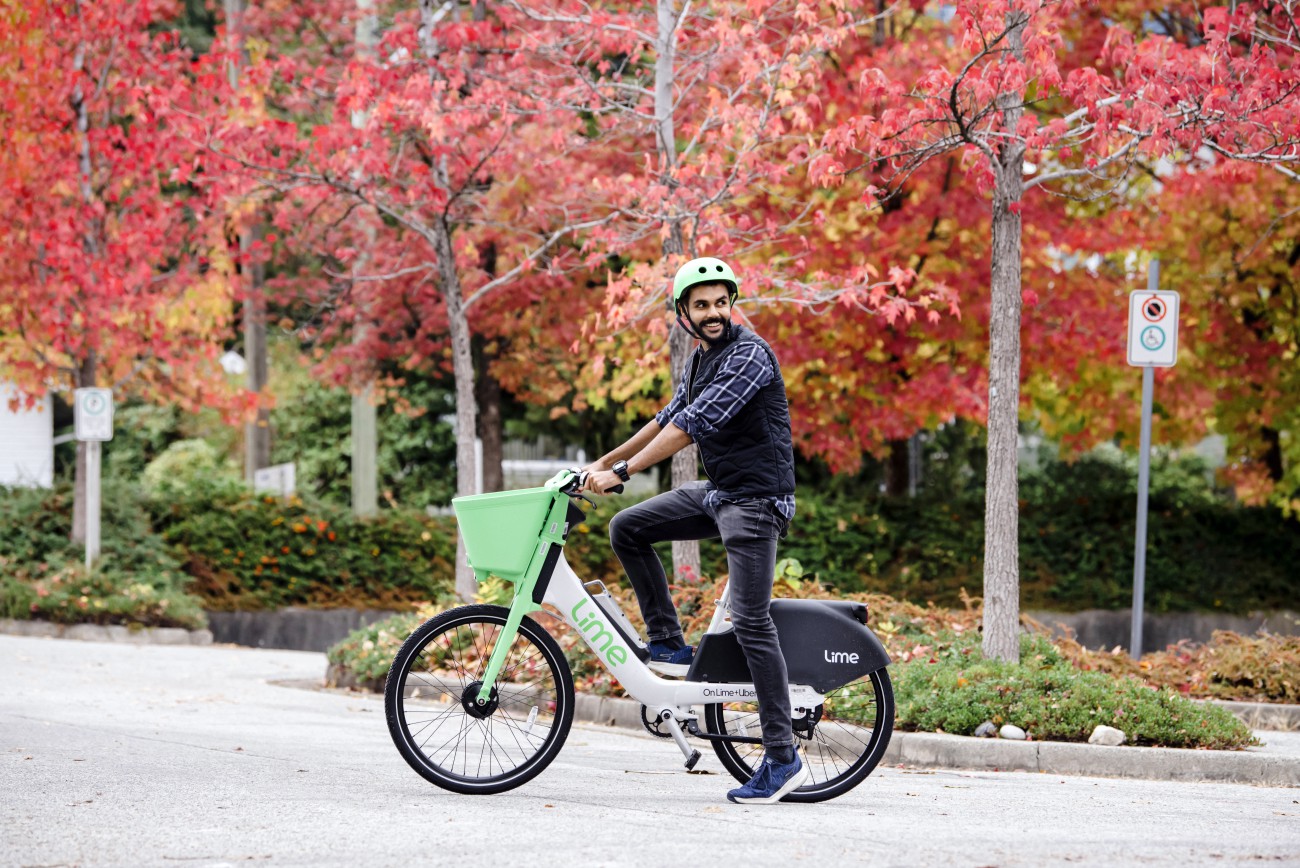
1153 328
93 414
277 479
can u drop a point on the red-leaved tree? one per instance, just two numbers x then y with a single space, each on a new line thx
1023 110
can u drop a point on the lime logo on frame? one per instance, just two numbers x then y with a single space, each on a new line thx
615 654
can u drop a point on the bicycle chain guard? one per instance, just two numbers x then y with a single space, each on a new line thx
653 727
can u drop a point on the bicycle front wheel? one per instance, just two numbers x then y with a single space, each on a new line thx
841 741
436 723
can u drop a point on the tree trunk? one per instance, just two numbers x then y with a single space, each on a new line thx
257 433
685 465
898 468
462 358
1001 511
462 355
487 391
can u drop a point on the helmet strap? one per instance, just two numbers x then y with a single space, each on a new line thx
689 327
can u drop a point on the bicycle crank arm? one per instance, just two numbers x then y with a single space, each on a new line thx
694 729
675 729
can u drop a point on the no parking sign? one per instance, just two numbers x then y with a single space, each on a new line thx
1153 328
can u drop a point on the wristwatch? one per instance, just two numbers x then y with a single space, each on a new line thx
620 470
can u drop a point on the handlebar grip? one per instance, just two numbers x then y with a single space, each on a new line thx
617 489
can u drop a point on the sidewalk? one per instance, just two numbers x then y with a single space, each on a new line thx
1276 763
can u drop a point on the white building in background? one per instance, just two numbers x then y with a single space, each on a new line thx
26 442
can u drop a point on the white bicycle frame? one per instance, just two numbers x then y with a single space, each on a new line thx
666 699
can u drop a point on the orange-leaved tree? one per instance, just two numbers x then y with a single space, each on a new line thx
112 275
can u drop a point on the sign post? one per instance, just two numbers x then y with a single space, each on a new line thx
94 424
1152 343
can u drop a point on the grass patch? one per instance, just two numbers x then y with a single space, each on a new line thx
955 689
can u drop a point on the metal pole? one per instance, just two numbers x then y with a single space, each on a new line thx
1144 479
92 502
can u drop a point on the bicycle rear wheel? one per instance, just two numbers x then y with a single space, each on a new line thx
841 741
439 729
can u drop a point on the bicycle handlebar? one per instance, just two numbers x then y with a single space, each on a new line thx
579 481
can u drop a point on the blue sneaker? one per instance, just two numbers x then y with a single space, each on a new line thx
771 782
670 661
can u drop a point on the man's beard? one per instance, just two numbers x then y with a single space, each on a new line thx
723 336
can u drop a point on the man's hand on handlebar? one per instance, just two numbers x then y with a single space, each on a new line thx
603 482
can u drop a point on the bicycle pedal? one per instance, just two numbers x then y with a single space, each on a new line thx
692 760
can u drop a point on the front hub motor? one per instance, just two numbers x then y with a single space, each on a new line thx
469 701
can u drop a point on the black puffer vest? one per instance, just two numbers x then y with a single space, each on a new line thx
752 455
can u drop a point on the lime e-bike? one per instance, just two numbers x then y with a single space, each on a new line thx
480 698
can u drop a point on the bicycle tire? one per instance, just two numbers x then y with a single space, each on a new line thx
441 732
839 749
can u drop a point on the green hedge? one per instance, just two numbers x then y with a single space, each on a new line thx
954 689
250 551
42 575
1076 543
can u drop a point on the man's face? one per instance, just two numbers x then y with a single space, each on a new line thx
709 309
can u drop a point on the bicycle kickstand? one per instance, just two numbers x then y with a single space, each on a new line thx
692 755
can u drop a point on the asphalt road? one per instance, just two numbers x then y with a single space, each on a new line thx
187 756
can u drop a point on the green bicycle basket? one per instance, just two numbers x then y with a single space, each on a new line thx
501 529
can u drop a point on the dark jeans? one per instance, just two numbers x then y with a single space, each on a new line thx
749 530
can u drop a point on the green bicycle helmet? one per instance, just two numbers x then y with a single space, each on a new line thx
706 269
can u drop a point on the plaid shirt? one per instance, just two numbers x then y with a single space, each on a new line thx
743 373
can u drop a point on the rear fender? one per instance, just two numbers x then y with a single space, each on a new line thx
825 644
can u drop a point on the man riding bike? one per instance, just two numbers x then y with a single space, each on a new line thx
732 404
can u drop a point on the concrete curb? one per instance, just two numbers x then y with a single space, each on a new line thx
107 633
941 751
1262 715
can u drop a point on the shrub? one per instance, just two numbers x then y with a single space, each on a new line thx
66 594
955 689
367 652
185 465
1263 668
248 551
941 680
136 580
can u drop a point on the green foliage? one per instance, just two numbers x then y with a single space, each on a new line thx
1076 542
185 465
67 594
1077 528
136 581
368 652
141 432
955 689
416 449
248 551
